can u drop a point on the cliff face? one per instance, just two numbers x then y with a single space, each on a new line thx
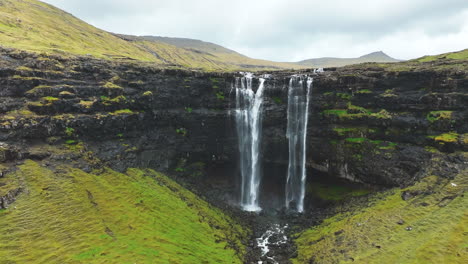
369 123
377 126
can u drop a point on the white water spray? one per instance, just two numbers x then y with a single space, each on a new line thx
249 128
298 109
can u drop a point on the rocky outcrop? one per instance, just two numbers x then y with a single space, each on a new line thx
377 126
9 198
368 123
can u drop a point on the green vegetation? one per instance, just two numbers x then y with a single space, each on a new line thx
20 112
380 144
277 99
390 145
460 55
69 216
50 99
335 192
388 93
179 169
122 112
148 93
220 96
114 101
428 228
356 140
356 112
439 115
38 27
447 138
364 91
69 131
431 149
344 96
86 104
189 110
111 85
70 142
357 109
66 93
354 131
181 131
23 68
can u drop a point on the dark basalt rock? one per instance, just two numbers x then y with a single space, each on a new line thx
136 115
9 198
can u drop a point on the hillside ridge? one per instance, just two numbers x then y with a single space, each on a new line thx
32 25
377 56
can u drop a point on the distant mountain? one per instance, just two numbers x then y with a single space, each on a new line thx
195 44
377 56
194 53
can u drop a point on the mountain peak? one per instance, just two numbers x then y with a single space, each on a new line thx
376 55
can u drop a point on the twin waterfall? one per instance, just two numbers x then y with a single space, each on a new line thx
248 116
249 130
298 109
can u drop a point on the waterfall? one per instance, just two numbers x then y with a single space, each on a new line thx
298 109
248 116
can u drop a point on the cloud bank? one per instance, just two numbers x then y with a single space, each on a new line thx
290 30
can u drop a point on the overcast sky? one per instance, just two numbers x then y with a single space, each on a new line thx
290 30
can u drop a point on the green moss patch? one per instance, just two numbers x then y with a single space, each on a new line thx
439 115
451 137
460 55
122 112
356 112
335 192
70 216
429 227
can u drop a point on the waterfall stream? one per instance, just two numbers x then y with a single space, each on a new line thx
248 115
298 109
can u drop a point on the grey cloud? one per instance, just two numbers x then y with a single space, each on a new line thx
281 30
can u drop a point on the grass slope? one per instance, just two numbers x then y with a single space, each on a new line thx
70 216
36 26
437 215
459 55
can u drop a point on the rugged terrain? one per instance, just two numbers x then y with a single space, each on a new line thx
122 149
80 121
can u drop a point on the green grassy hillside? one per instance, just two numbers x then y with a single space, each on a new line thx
35 26
431 227
459 55
69 216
